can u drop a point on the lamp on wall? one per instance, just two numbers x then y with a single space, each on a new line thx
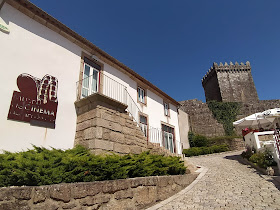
94 57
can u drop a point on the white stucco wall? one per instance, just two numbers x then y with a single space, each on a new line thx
154 108
35 49
184 128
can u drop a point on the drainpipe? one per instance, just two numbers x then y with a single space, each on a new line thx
2 3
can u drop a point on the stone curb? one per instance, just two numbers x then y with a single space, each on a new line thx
201 170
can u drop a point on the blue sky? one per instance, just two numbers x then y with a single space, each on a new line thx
173 43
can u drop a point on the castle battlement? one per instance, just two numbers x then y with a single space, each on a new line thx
229 82
226 67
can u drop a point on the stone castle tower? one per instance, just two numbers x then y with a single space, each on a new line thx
230 83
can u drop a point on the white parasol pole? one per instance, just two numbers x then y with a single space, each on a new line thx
258 120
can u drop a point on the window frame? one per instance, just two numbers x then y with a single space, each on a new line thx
168 109
145 95
89 88
172 131
86 58
147 125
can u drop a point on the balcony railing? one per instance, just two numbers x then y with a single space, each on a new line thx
109 87
115 90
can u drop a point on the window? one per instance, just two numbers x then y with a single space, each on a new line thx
166 109
90 78
144 125
168 138
141 95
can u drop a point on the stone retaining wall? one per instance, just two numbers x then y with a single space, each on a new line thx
234 144
202 121
135 193
103 126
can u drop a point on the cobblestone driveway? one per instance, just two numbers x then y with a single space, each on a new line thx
228 184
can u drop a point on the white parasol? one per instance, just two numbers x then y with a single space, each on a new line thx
256 119
270 113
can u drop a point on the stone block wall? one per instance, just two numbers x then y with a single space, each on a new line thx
230 83
237 86
211 88
201 119
135 193
103 126
233 144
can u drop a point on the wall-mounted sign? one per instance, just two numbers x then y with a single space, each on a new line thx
36 102
3 26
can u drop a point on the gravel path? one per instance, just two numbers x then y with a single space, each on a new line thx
228 184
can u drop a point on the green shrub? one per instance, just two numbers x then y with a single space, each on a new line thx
197 140
191 139
200 141
195 151
41 166
247 153
263 159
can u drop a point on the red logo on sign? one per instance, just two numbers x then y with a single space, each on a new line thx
36 102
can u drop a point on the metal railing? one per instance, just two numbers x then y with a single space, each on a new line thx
114 89
117 91
132 108
162 138
109 87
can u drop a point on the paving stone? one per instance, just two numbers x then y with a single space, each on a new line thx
228 184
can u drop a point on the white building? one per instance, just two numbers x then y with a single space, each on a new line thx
42 60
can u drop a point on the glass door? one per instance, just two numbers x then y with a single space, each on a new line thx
90 80
144 125
168 141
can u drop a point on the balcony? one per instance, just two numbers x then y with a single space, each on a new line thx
101 83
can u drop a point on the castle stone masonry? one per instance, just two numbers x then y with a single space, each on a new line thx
226 83
230 83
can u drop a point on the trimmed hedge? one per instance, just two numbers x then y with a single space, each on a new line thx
196 140
41 166
195 151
